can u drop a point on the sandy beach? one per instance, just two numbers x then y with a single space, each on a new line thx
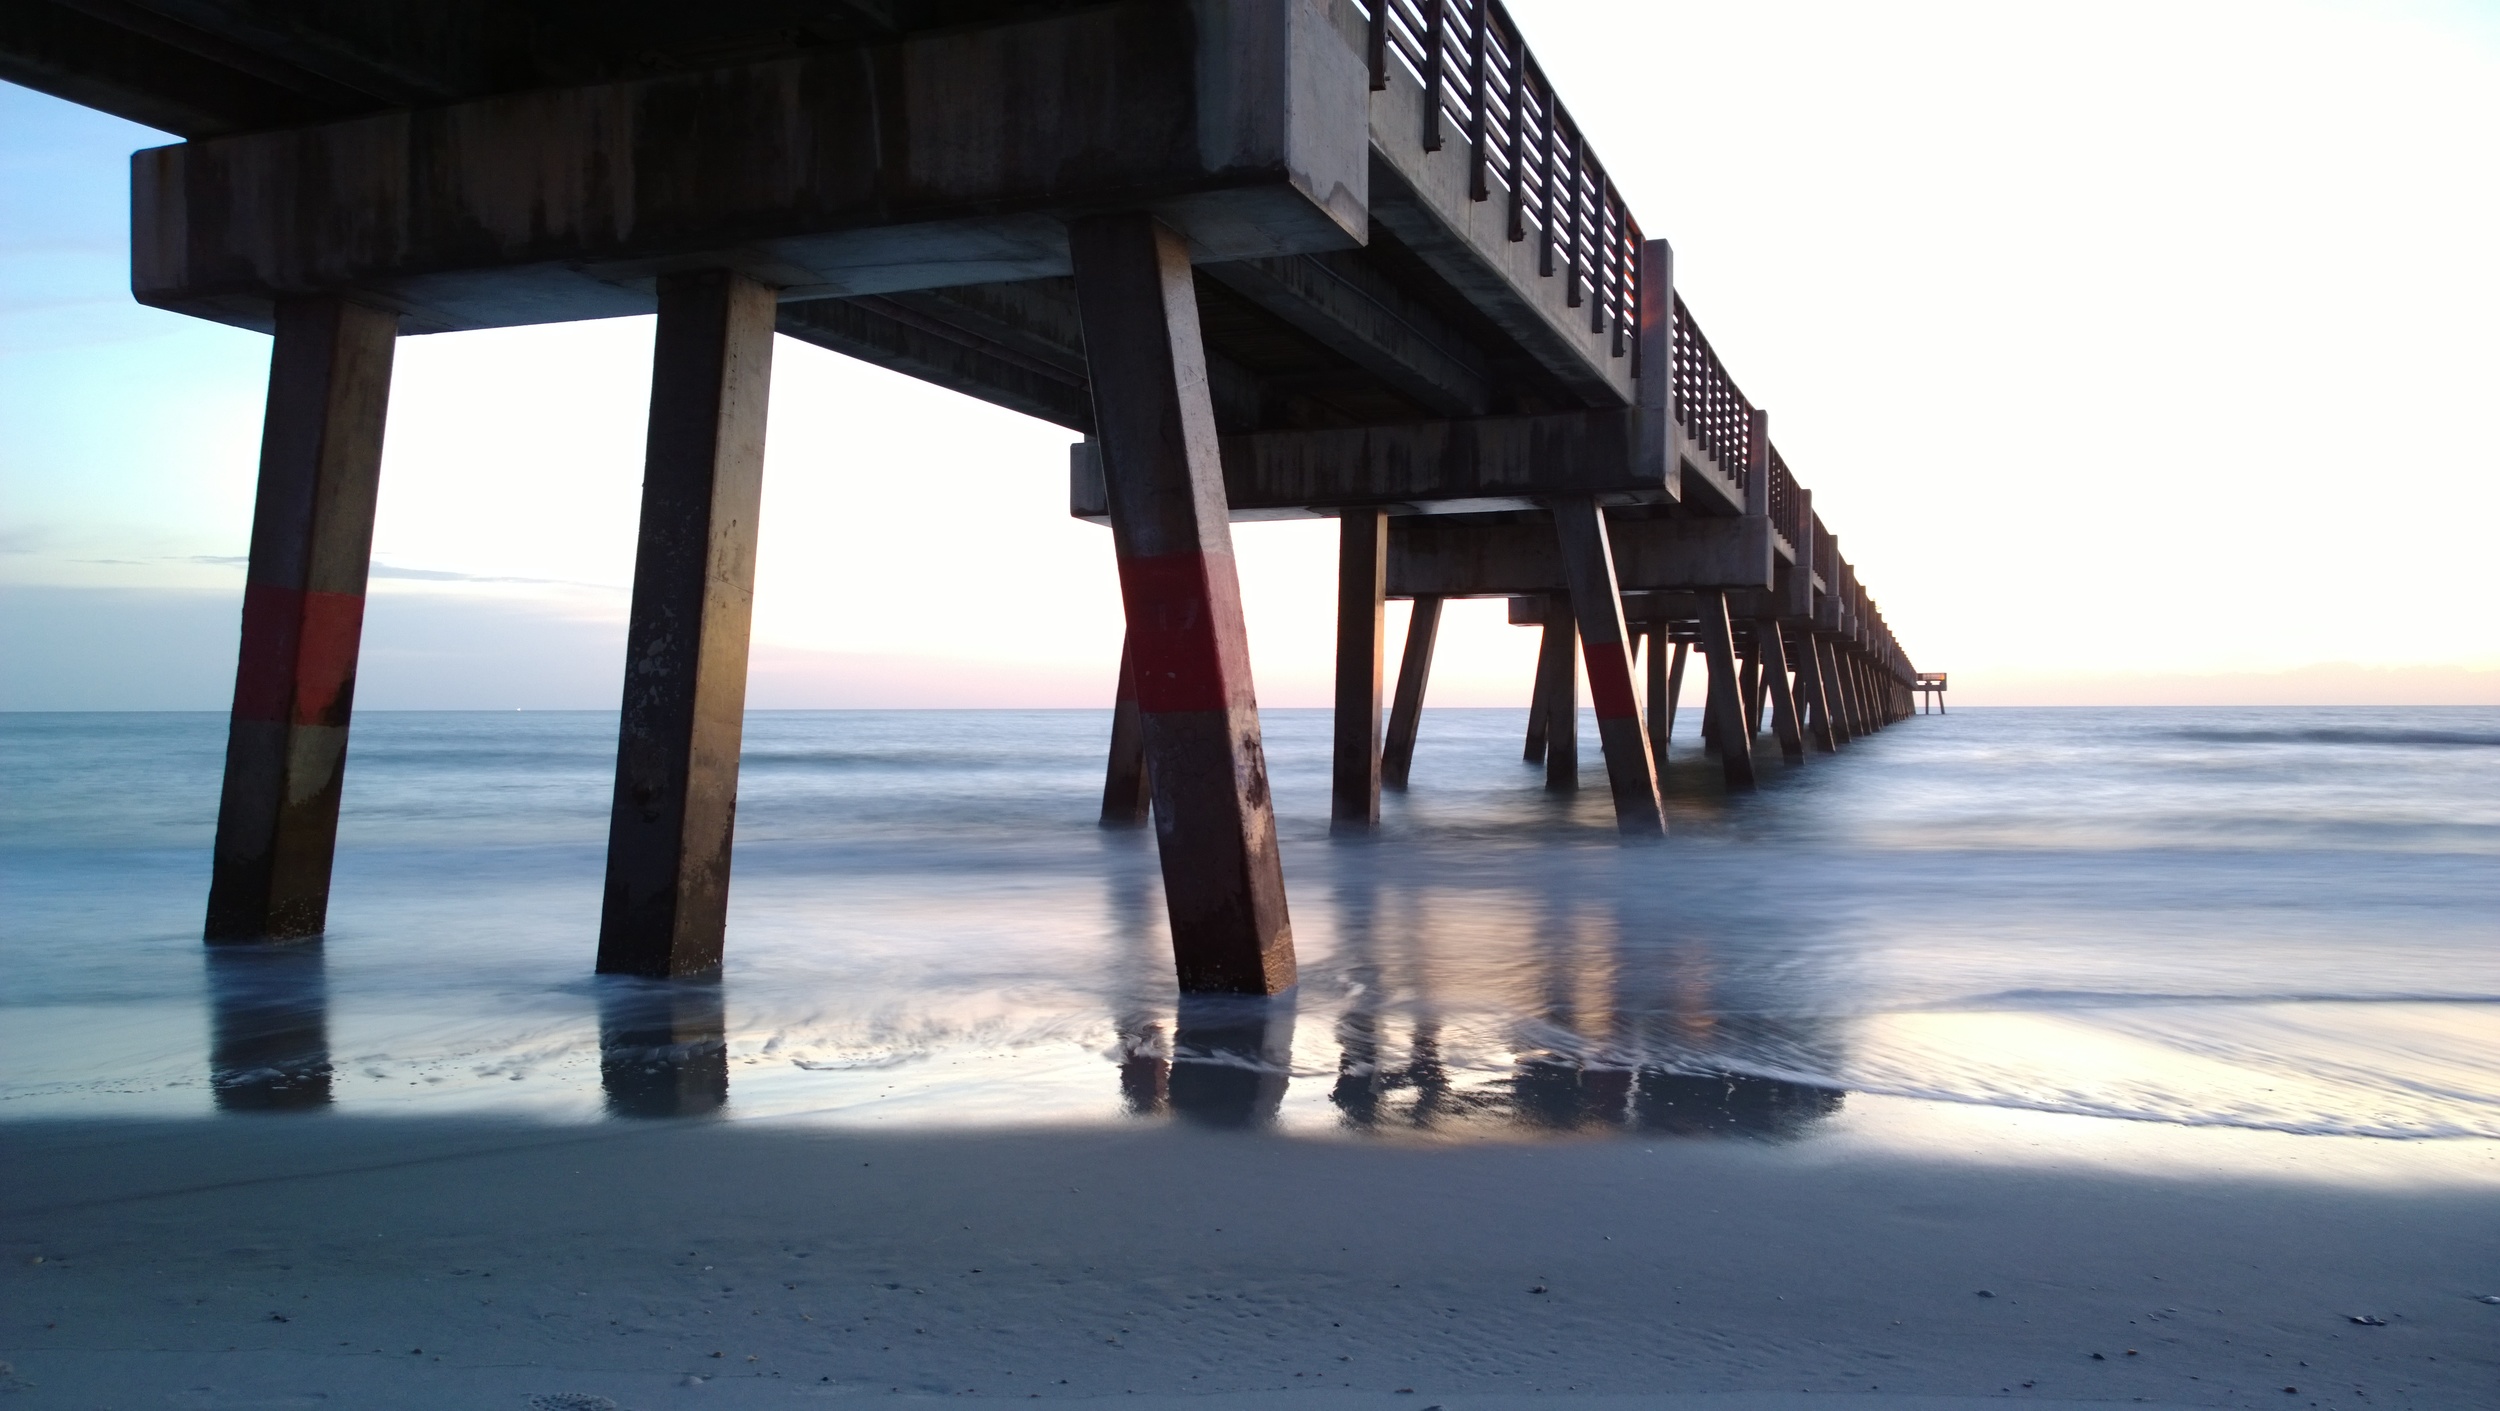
313 1260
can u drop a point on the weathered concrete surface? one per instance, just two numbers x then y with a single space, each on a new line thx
684 709
934 159
303 620
1215 824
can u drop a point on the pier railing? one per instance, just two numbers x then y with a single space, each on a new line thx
1787 502
1482 87
1715 412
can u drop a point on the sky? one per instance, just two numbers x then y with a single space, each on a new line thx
2140 353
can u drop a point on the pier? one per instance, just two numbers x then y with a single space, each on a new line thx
1264 258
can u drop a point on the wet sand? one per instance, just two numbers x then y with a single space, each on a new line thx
316 1259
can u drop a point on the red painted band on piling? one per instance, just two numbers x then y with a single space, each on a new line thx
298 663
1610 682
1172 643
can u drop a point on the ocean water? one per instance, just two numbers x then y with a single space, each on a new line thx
2283 919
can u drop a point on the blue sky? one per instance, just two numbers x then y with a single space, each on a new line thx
2138 351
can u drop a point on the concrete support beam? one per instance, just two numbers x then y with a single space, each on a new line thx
1347 306
899 337
1397 752
1362 632
1771 651
1726 721
1126 795
1477 464
1605 647
303 620
1214 822
1428 556
684 707
951 156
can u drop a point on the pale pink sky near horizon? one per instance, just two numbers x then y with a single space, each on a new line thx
2140 355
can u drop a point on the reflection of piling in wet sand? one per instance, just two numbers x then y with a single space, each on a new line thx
1627 1028
1232 1056
269 1024
663 1048
1144 1050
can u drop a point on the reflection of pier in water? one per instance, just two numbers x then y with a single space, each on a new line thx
663 1047
1624 1017
1541 1007
269 1028
1638 1020
662 1044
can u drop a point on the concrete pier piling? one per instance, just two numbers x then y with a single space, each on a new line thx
1362 627
1726 711
1555 716
1835 689
1214 823
303 620
683 715
1605 648
1397 751
1757 679
1813 705
1666 685
1127 801
1771 651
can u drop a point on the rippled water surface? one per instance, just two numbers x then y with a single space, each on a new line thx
2279 919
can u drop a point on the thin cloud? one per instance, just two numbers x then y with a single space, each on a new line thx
445 575
418 575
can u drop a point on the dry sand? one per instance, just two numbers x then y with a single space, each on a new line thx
332 1261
